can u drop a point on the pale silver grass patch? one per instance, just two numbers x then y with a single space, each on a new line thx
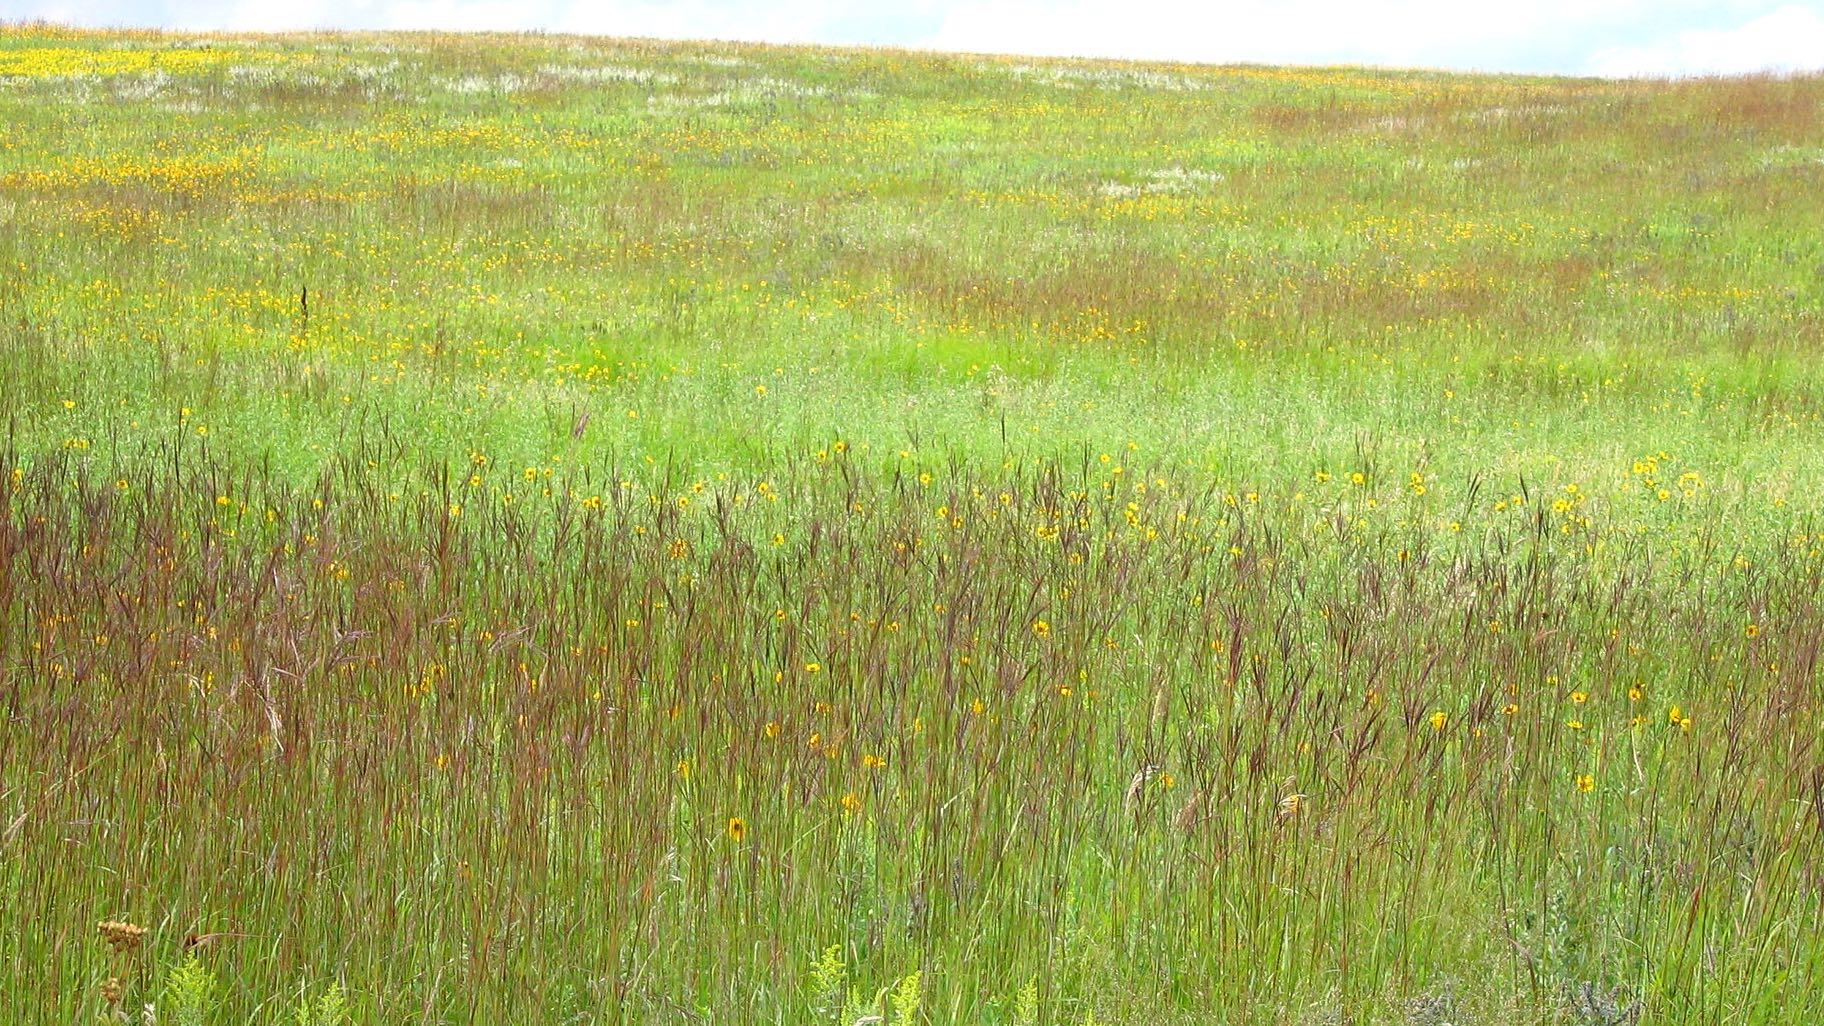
741 92
140 87
608 73
719 61
1066 76
1502 113
1787 157
375 72
1164 180
469 85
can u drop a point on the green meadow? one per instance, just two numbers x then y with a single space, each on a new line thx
542 529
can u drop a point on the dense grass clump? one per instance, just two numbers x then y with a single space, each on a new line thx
546 760
561 530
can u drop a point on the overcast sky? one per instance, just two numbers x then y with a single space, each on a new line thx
1601 37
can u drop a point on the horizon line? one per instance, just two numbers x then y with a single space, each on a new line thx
1670 78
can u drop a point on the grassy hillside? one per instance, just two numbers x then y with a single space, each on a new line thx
541 529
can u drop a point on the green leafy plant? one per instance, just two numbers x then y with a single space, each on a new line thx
1026 1004
188 995
906 999
829 975
330 1008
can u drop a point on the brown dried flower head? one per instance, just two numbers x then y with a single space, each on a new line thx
122 937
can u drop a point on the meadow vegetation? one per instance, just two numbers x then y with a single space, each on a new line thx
557 530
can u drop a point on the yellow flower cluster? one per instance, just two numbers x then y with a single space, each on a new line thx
70 61
182 175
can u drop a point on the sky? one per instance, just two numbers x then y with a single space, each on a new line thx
1580 37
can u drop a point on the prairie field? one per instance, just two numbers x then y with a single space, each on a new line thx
543 529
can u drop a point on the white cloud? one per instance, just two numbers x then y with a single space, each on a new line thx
1252 30
1610 37
786 21
1788 39
1539 35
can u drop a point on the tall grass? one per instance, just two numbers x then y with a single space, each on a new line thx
584 531
650 757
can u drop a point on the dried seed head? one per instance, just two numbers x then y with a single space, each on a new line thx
112 990
1191 812
1138 783
121 936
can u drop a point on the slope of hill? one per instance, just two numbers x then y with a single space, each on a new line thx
545 529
